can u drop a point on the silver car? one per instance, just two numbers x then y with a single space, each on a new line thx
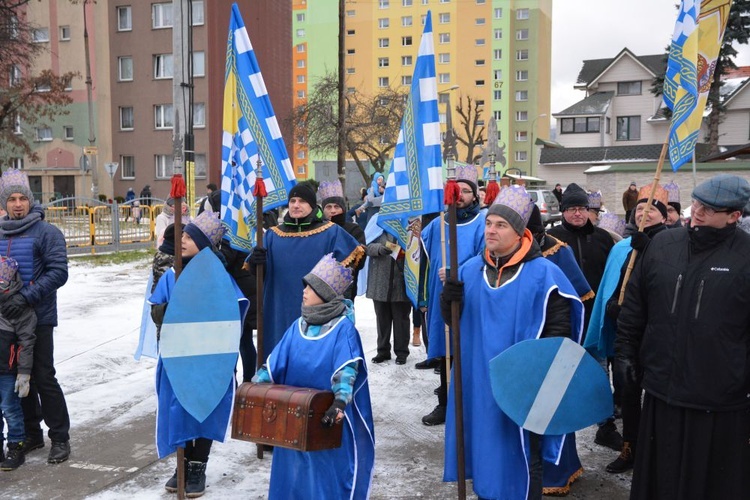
548 205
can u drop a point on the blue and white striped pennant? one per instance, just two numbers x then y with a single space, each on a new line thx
251 132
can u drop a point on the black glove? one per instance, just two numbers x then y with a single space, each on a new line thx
612 308
453 290
14 307
258 257
639 240
331 413
626 373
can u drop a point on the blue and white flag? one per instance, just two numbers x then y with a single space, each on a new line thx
251 133
415 179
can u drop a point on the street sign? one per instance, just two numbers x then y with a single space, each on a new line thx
111 168
90 150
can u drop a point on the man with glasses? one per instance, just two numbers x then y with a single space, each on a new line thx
684 336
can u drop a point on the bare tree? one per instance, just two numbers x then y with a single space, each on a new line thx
470 133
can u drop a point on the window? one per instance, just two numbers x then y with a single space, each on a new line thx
300 94
127 167
300 63
444 58
479 102
497 54
498 13
522 75
301 17
300 48
163 166
406 41
301 154
522 34
628 88
522 14
383 81
15 75
383 62
628 128
522 55
161 15
522 95
163 116
350 71
17 163
42 87
497 74
406 60
422 19
406 80
351 32
581 125
522 136
444 18
300 33
17 126
125 68
497 115
68 134
481 2
127 120
199 18
124 18
163 66
479 62
384 22
40 35
199 63
384 43
522 156
522 116
351 52
480 42
200 166
44 134
199 115
480 21
301 170
351 90
301 78
497 95
498 33
384 4
406 3
351 13
406 21
479 83
445 38
64 33
444 77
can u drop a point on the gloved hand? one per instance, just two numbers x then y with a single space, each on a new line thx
384 250
639 240
22 384
453 290
612 308
334 414
258 257
14 307
626 372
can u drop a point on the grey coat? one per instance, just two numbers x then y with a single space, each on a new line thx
385 276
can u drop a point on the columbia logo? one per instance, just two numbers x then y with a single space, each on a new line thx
720 269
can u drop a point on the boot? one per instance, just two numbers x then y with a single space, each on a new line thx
436 417
625 461
171 485
15 457
608 436
59 452
416 336
196 479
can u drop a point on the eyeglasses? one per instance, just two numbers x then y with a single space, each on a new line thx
697 205
576 210
467 191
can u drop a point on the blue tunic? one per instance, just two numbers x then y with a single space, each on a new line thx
471 236
290 257
492 320
345 472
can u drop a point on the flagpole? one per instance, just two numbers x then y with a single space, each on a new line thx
259 191
447 330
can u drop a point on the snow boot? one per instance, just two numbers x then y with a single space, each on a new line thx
15 457
608 436
416 337
436 417
196 479
171 485
625 461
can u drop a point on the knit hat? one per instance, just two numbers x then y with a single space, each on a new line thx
632 183
574 196
305 191
595 200
468 174
332 192
514 205
14 181
167 245
612 223
535 224
206 229
721 192
329 278
660 198
8 269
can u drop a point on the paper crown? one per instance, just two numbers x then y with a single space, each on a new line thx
329 278
660 194
330 189
595 200
673 192
14 181
210 225
8 268
612 223
466 172
518 201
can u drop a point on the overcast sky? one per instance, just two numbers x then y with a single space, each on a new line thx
598 29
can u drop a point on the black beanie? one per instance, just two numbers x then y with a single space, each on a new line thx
200 239
167 245
656 203
471 184
535 224
574 196
337 200
676 205
306 192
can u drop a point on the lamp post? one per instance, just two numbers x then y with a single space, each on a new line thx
531 154
449 143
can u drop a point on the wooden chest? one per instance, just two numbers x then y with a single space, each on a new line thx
285 416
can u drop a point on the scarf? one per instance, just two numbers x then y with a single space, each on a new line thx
323 313
468 213
311 221
704 238
11 227
167 210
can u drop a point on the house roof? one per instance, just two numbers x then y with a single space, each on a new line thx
592 69
595 104
732 87
609 154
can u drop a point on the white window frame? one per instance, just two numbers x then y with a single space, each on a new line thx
199 12
522 14
407 21
522 34
497 54
301 48
444 38
161 15
522 95
444 18
163 66
498 13
522 156
522 75
497 95
407 41
43 134
383 62
351 13
522 55
17 163
121 66
383 81
199 64
384 43
406 80
124 18
480 62
444 58
163 116
64 33
522 116
68 133
480 42
300 17
163 166
480 21
444 77
301 78
384 23
127 167
480 83
201 166
407 3
522 136
40 35
407 60
301 33
122 113
384 4
199 115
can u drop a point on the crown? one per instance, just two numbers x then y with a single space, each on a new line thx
330 189
210 225
517 199
466 172
673 192
8 268
612 223
595 199
14 177
660 194
331 272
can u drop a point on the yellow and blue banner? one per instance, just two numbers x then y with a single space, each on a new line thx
695 46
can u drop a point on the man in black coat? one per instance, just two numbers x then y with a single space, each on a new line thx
683 334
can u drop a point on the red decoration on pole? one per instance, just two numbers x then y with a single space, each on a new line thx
491 192
178 187
452 192
260 188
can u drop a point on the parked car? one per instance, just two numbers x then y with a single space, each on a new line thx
548 206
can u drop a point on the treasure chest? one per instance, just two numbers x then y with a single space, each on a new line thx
285 416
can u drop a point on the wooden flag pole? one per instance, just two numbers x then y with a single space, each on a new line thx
259 191
447 329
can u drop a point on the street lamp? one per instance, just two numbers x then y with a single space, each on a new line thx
531 155
449 143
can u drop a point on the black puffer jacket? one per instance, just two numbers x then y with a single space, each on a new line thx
686 320
590 245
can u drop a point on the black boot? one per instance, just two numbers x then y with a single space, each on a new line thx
59 452
196 479
15 457
625 461
33 441
436 417
608 436
171 485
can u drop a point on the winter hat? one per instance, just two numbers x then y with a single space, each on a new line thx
574 196
673 195
329 278
167 245
723 191
612 223
305 191
14 181
468 174
8 269
535 224
332 192
206 229
514 205
595 200
632 183
660 198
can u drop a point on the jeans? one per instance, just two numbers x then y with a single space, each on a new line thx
10 405
46 399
